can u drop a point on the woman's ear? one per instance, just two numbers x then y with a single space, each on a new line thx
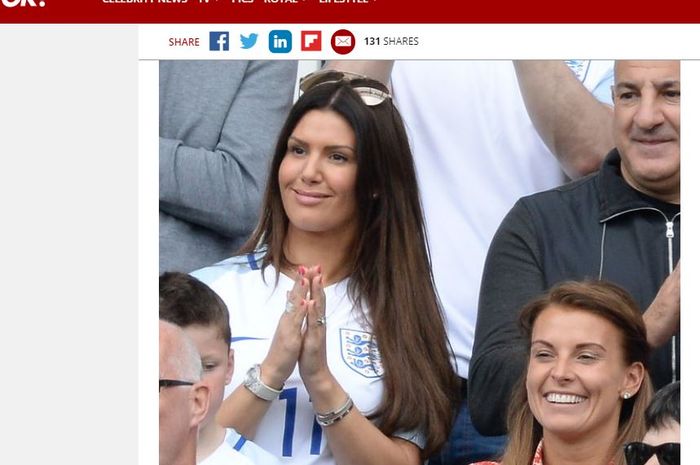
633 380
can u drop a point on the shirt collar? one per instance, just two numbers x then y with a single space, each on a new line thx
615 195
537 459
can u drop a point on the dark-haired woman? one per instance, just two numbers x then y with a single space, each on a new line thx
340 346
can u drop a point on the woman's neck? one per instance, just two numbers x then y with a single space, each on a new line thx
332 252
582 451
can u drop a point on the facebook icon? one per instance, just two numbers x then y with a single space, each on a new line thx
218 41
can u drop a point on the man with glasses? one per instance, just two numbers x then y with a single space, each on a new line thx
662 443
184 400
204 317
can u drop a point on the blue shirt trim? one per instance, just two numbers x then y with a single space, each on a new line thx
252 262
239 445
246 338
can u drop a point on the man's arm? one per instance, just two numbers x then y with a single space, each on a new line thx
221 189
574 125
663 316
512 276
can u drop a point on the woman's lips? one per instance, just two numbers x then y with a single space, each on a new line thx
309 198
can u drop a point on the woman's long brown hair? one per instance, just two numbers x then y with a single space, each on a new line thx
390 267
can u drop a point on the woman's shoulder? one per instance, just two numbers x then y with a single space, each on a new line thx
236 265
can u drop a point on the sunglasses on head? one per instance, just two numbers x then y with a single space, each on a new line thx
638 453
371 92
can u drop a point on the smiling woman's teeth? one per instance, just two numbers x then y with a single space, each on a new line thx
564 398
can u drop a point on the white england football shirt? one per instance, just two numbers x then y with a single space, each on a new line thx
289 429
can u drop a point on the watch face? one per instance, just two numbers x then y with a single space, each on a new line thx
255 385
252 374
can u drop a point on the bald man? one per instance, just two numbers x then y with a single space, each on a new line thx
184 400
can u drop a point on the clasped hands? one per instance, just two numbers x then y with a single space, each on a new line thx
300 336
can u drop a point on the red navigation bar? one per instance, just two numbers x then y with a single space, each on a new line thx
343 11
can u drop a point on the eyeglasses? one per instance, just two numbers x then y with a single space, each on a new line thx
637 453
163 383
371 91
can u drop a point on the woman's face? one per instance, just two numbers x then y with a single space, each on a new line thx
576 374
318 174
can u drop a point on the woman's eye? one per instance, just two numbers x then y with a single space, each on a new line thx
542 354
588 357
208 366
338 157
295 149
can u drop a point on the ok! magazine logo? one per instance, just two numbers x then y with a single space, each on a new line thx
29 3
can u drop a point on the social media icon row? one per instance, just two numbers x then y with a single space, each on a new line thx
280 41
219 41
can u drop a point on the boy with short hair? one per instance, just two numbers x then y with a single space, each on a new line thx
200 312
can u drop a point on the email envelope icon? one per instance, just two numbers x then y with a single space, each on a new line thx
343 41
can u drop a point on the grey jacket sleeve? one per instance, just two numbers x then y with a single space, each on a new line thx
512 276
221 189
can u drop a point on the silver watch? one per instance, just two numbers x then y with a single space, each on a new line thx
255 385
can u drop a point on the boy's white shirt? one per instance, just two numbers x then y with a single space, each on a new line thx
237 450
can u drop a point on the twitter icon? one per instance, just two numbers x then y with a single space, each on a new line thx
248 42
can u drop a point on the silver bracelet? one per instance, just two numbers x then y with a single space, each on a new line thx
334 416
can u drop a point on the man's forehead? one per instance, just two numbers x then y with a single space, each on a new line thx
645 70
169 337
